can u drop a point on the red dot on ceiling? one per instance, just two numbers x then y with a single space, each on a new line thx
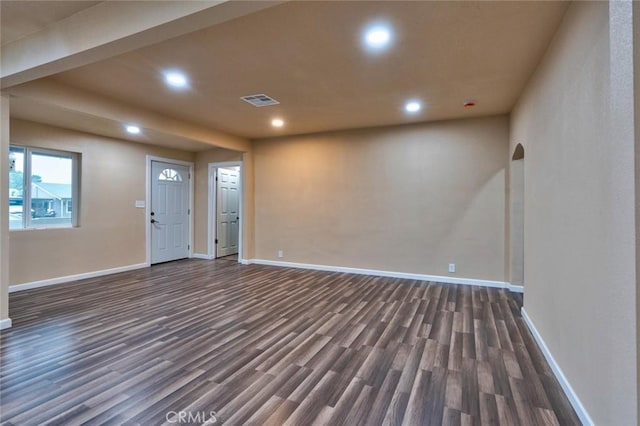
469 104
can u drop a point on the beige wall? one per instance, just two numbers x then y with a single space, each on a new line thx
409 198
112 230
4 207
248 205
579 243
516 222
201 202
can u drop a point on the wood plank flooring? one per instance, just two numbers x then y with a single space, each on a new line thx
263 345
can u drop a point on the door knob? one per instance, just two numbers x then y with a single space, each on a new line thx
154 221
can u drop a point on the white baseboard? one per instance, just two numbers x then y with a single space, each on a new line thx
516 288
60 280
380 273
5 323
564 383
202 256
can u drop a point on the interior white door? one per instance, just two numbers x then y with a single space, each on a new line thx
227 215
169 211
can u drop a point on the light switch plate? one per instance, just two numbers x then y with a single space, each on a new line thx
140 204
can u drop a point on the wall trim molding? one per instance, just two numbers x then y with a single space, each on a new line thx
381 273
61 280
201 256
557 371
5 323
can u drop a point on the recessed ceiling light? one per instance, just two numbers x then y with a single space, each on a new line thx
134 130
413 106
377 36
176 79
277 122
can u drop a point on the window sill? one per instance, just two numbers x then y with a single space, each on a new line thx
44 228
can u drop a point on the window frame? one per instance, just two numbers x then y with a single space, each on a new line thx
27 223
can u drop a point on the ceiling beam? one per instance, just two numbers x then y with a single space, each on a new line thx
111 28
96 112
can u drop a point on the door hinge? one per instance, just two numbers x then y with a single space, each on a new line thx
188 211
216 241
189 174
188 246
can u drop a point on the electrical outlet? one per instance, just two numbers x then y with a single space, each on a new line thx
280 253
452 267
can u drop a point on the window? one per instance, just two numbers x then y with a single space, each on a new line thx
42 188
170 175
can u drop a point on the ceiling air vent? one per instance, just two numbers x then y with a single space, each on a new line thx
260 100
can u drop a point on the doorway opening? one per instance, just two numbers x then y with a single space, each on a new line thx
168 206
517 200
225 211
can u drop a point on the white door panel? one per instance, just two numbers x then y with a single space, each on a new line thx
227 215
169 211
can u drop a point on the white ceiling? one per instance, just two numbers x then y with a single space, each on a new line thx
29 109
22 18
309 56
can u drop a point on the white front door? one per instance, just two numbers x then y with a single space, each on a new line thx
227 203
169 211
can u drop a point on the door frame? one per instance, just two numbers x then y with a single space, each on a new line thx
211 215
147 203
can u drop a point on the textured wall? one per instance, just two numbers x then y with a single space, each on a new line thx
579 209
408 198
112 231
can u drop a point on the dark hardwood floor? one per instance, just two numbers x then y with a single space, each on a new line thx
265 345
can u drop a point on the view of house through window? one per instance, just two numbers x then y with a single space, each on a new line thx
41 188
